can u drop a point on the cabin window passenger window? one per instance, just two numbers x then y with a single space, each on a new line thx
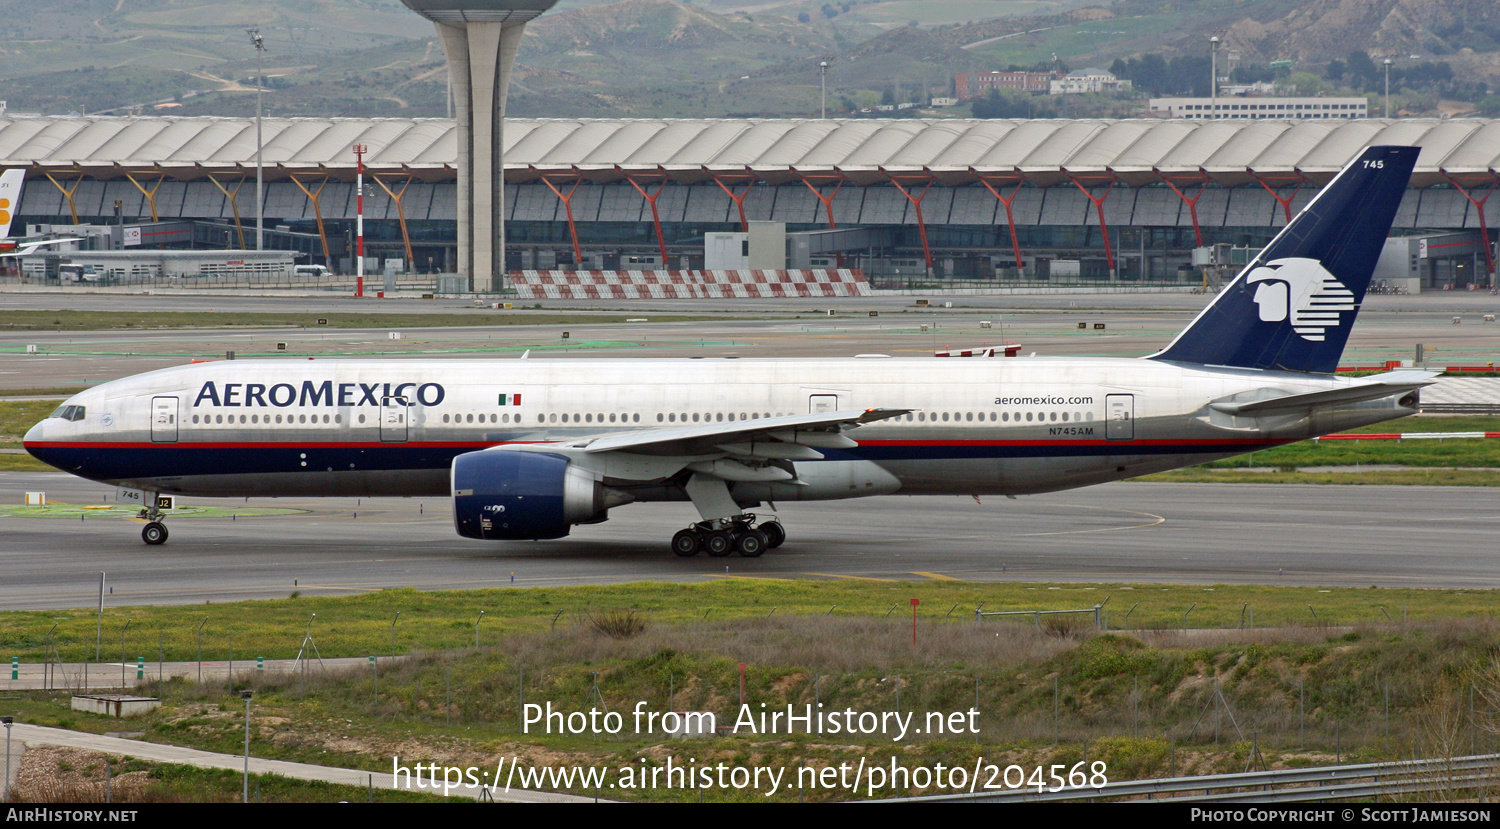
1065 417
278 418
635 418
338 418
445 418
658 417
1005 416
1028 417
968 416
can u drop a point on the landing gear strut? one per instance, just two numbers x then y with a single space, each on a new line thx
723 536
155 532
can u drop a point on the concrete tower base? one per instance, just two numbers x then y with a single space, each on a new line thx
480 39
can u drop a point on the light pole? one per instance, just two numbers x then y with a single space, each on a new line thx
1213 77
246 694
7 721
1387 87
823 88
260 218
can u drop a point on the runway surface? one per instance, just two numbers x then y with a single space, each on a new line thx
1134 325
1167 533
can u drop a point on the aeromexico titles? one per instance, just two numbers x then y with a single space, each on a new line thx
529 448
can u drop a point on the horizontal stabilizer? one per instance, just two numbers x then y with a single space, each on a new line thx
1382 385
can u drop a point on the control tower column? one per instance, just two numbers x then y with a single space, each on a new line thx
480 39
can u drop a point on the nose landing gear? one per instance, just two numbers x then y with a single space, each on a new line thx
155 532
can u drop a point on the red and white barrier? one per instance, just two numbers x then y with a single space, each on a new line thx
1412 436
689 284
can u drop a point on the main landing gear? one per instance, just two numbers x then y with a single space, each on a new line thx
723 536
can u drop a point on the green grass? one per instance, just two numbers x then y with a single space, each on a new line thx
16 416
1378 691
1477 452
143 781
356 626
56 391
1093 37
1382 477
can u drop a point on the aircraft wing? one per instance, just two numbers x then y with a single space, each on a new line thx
1375 387
791 437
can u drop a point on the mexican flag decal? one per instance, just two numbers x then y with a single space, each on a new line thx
510 399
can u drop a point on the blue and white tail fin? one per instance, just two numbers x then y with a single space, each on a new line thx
10 198
1291 308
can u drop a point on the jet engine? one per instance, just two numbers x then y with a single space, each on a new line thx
508 495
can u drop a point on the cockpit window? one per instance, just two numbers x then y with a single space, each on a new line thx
73 413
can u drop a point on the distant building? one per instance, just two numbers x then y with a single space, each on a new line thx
1087 80
945 102
969 86
1236 108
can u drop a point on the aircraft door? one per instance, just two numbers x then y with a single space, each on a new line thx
819 403
393 419
163 420
1119 416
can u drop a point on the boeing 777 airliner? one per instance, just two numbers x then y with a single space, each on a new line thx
528 448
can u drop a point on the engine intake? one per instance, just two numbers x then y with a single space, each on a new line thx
522 495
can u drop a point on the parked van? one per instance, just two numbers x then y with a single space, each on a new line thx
312 270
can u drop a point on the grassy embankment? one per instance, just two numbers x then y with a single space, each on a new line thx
1148 701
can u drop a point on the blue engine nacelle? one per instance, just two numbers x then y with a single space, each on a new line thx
522 495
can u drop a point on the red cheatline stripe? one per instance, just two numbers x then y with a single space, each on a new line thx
482 444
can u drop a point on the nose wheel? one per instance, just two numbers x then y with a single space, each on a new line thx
154 533
740 535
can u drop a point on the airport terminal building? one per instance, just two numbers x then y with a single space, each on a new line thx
973 202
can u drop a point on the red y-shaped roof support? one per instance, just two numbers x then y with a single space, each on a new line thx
1199 179
567 201
916 202
661 240
1484 229
1109 253
828 199
1286 178
739 200
1010 219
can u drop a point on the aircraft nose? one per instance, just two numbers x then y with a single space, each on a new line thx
34 435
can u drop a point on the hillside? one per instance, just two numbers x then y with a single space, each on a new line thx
709 58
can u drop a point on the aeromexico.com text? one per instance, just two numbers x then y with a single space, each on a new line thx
326 393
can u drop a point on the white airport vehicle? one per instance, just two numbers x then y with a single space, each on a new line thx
529 448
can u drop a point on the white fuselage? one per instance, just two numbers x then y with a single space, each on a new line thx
392 427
